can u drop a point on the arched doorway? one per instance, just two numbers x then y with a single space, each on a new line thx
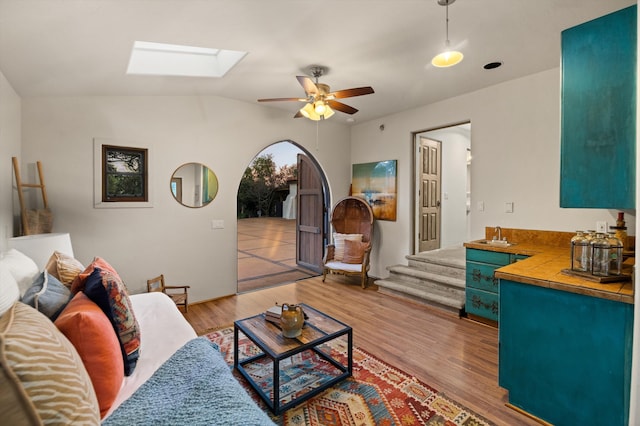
271 196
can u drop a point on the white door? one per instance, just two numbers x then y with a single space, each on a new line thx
429 194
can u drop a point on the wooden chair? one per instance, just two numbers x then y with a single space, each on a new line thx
352 216
179 297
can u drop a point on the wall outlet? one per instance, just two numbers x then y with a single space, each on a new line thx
480 206
508 207
217 224
601 226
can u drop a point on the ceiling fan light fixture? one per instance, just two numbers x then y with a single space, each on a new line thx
317 111
309 112
328 112
449 57
320 107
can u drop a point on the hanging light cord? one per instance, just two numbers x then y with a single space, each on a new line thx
447 23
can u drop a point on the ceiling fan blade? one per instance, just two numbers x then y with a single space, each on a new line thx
307 84
349 93
342 107
298 115
283 99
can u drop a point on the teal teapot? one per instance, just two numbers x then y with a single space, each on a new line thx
291 320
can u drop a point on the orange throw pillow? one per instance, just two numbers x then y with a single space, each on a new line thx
353 251
91 333
80 279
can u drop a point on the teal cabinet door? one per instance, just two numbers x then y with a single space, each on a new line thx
482 303
598 125
565 357
481 276
481 293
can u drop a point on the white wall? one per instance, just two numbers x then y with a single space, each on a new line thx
515 134
10 125
168 238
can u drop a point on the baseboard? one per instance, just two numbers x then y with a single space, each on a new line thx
526 413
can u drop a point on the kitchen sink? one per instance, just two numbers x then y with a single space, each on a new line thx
497 243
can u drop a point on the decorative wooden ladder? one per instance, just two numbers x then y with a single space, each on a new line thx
38 221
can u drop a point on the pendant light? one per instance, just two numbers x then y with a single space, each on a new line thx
449 57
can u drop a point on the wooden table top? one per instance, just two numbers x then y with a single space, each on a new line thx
318 327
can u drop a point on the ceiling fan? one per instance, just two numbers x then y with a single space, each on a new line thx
321 102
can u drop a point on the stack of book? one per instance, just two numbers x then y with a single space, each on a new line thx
273 314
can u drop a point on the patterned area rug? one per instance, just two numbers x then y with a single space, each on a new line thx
377 393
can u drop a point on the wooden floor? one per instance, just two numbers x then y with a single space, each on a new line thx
455 356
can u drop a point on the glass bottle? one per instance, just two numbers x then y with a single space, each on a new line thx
589 235
580 252
600 255
615 254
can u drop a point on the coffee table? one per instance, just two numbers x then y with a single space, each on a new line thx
318 329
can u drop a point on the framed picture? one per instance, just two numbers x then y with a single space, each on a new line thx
376 183
121 175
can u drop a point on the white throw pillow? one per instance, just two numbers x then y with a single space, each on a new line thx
23 268
338 242
9 292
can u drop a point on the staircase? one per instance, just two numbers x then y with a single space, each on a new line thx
435 278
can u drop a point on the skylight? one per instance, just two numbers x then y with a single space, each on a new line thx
148 58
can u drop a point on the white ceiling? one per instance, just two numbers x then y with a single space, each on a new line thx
82 47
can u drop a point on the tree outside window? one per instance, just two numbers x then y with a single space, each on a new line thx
124 174
261 180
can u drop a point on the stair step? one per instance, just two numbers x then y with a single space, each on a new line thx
435 278
454 271
431 296
453 257
418 277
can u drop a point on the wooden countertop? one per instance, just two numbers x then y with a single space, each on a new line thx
550 253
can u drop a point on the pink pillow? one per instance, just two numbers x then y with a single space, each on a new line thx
91 333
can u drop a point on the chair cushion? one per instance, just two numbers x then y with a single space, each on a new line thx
353 251
91 333
42 377
339 239
102 284
341 266
64 267
47 295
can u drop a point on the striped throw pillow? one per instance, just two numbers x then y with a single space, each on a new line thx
64 267
42 376
338 242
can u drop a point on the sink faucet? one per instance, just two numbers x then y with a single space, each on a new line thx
498 230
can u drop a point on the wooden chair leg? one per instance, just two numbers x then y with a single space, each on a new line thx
324 274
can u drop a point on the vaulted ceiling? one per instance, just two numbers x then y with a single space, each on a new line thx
82 47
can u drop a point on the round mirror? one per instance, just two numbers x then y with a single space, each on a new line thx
194 185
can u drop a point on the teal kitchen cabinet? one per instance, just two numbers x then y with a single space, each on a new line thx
598 112
481 301
565 357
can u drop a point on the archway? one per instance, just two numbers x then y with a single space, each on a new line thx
267 232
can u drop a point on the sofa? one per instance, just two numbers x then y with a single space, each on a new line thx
76 348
